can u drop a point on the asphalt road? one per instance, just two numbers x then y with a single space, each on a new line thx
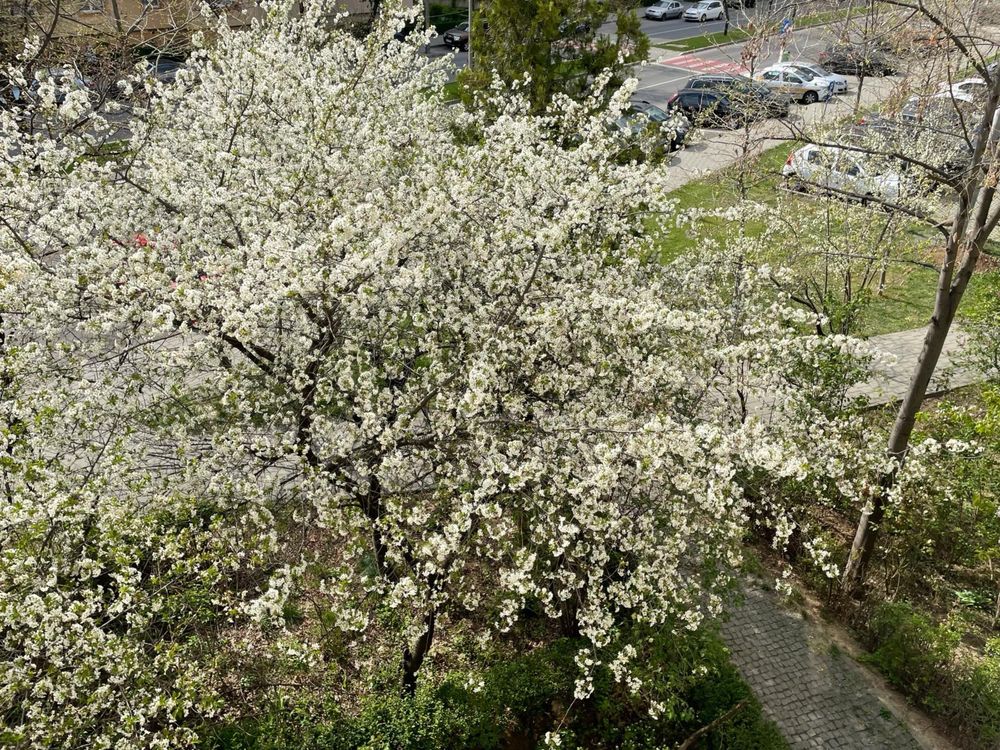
669 71
657 31
674 29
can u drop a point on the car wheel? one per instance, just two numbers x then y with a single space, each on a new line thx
703 18
866 199
810 97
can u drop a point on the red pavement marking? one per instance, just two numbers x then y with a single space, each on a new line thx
690 62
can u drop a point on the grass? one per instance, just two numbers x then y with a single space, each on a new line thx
452 91
702 41
905 303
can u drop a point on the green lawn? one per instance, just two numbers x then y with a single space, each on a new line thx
905 303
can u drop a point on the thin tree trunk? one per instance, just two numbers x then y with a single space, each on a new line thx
413 655
974 221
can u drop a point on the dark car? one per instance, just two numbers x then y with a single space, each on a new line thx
858 59
675 124
458 37
741 3
744 91
950 152
722 108
165 69
941 112
569 28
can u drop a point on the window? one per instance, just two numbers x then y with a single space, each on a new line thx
92 6
793 79
771 75
818 158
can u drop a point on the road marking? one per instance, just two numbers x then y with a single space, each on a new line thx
690 62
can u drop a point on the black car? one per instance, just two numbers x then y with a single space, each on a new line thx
721 108
745 91
574 28
458 37
164 69
858 59
676 124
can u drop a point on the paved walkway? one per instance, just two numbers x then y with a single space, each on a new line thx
890 380
816 695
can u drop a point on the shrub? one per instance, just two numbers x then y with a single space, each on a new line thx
921 658
521 699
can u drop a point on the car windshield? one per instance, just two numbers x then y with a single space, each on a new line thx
464 26
704 5
655 114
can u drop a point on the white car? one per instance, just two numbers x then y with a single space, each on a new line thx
842 171
706 10
664 9
839 81
972 90
799 85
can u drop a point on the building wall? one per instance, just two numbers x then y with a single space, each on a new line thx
158 22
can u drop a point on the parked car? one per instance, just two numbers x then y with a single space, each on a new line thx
64 79
844 171
972 90
458 37
706 10
750 93
570 28
165 69
664 9
715 108
839 82
948 152
672 124
858 59
941 112
800 85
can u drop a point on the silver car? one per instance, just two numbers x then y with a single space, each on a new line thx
664 9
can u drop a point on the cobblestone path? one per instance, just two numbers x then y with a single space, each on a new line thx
815 694
889 382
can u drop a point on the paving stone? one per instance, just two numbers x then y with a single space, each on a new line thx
818 699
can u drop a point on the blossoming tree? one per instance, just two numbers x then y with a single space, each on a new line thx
309 346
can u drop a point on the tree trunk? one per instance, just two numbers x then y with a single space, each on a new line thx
413 655
973 222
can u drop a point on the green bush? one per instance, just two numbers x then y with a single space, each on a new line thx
910 651
921 658
444 17
521 699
